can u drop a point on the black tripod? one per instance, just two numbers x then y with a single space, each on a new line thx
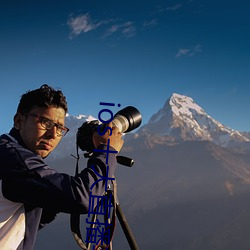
117 211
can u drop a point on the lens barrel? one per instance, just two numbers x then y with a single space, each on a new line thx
127 119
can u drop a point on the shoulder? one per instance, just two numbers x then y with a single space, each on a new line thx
14 156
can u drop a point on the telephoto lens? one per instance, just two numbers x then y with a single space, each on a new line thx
127 119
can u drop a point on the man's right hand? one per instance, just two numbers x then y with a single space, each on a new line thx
115 138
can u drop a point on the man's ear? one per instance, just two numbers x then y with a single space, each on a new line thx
18 119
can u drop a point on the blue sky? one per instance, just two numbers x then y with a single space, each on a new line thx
129 52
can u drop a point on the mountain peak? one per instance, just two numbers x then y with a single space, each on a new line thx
182 119
182 104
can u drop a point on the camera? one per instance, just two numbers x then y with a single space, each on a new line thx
125 120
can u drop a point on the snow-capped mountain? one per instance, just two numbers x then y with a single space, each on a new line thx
182 119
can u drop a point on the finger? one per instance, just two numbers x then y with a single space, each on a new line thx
115 130
111 126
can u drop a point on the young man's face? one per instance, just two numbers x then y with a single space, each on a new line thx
35 137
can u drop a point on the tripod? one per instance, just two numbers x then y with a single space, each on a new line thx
117 211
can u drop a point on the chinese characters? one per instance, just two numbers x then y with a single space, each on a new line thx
99 232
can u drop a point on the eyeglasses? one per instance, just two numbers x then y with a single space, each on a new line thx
49 124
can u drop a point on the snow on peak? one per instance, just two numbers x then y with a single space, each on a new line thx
182 104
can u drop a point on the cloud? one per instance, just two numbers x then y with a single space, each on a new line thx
182 52
197 49
127 29
174 7
150 23
83 24
189 52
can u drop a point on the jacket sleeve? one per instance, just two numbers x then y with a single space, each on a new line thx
27 179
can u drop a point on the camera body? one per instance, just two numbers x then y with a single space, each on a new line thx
125 120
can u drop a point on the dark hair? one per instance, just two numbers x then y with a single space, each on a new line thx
45 96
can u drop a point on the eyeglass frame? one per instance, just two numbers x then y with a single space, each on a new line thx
41 118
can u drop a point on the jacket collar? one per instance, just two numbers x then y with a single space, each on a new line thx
16 135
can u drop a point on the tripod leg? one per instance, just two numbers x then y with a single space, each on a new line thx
126 229
92 226
110 243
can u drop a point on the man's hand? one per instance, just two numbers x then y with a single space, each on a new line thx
115 138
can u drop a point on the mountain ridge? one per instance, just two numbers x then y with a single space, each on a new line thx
182 119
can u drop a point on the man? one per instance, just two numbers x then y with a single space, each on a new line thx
28 187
